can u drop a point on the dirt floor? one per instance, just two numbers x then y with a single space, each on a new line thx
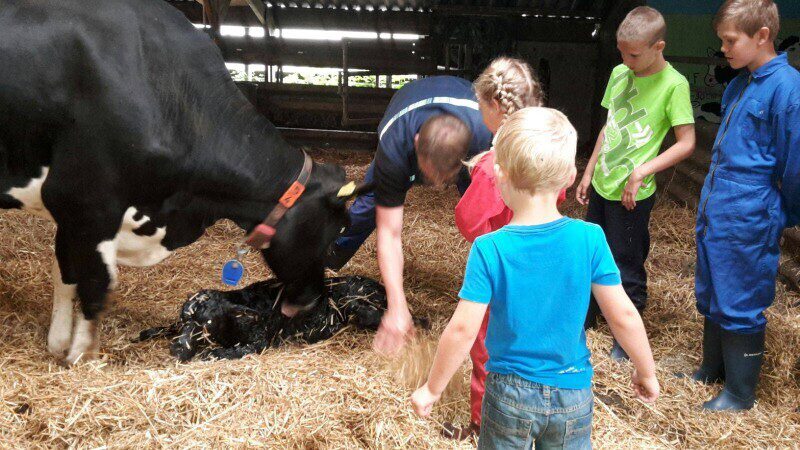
338 394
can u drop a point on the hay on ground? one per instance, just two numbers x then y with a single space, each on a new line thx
337 393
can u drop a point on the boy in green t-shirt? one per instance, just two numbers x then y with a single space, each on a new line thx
645 97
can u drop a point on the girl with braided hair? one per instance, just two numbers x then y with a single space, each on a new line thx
505 86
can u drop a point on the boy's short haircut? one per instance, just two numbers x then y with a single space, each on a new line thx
643 24
443 141
536 149
749 16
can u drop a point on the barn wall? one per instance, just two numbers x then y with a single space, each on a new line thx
689 33
571 79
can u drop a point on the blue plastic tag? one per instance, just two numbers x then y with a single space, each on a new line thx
232 272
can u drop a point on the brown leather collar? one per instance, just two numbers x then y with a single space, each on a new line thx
262 234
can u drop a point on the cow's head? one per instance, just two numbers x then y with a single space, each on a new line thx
303 237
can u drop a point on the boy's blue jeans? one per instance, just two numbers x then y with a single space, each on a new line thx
518 414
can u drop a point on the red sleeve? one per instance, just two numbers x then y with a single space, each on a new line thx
481 202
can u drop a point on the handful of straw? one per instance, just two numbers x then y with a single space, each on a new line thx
411 367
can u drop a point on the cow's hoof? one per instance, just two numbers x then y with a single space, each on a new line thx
292 310
289 310
58 346
76 357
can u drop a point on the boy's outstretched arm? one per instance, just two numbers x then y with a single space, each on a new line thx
582 191
680 150
628 329
454 345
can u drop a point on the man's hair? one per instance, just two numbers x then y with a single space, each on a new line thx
536 150
642 24
443 142
749 16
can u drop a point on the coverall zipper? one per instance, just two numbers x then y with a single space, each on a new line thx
719 155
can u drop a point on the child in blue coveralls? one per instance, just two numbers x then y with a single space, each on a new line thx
537 273
430 126
752 192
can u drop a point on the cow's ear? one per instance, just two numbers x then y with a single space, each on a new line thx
351 190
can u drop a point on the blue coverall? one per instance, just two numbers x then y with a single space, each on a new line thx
394 169
751 193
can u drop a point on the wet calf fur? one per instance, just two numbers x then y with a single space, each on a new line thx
231 324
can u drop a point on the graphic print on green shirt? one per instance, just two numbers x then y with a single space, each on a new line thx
641 110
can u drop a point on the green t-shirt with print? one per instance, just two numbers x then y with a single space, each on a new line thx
641 110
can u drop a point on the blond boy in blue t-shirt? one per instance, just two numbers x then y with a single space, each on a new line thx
537 274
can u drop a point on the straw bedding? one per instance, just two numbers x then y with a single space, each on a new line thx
337 393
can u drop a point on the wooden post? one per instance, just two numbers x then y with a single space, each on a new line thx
215 11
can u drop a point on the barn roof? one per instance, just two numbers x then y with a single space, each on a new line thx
546 8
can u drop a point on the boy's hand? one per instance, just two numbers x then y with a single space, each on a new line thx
423 399
645 388
631 189
582 191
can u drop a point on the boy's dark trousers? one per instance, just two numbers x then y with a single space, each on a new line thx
628 236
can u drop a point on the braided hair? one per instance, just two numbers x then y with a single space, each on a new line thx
513 84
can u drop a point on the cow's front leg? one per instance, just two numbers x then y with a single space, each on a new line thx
96 272
60 335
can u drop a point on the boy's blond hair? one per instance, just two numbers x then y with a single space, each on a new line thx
536 150
749 16
513 84
643 24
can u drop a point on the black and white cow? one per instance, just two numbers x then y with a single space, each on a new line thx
120 122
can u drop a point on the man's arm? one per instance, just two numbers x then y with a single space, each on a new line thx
396 323
682 149
582 191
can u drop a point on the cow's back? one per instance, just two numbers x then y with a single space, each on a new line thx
115 89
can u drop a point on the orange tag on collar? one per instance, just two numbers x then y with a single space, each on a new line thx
292 194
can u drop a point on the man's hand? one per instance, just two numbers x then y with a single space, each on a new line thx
396 327
582 191
631 189
422 400
645 388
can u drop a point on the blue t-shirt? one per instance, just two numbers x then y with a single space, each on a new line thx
396 159
537 279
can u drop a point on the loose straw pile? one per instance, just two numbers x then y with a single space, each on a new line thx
337 393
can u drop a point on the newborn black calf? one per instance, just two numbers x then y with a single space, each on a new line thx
231 324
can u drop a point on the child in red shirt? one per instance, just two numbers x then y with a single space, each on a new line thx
506 86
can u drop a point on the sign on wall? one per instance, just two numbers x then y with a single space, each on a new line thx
690 34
